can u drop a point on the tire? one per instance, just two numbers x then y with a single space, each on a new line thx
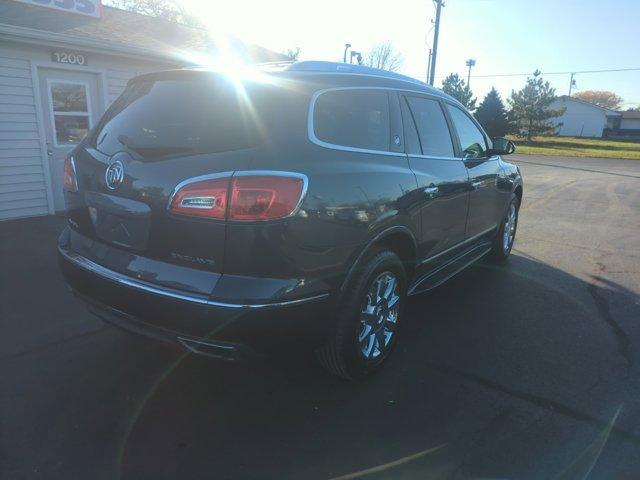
502 244
352 350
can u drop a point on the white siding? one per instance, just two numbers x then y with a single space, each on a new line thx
630 123
116 81
22 181
117 78
579 119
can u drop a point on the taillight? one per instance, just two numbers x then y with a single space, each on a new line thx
264 197
69 180
204 198
243 197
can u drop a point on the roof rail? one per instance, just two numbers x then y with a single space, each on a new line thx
337 67
278 63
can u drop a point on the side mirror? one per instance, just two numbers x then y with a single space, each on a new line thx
502 146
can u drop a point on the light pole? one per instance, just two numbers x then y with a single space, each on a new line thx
470 63
347 46
358 56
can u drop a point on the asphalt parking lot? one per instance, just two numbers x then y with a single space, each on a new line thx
525 371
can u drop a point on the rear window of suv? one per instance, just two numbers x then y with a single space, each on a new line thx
190 115
353 118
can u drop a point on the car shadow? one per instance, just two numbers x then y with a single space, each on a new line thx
495 342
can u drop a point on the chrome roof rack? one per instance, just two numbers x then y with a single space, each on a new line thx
337 67
278 64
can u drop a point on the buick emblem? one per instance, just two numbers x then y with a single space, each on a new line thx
114 175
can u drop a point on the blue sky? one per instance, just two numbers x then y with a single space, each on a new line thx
504 36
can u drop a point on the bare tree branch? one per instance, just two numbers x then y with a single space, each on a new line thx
293 53
384 56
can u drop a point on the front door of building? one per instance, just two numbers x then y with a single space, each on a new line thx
71 106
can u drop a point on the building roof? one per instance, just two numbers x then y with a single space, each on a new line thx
631 114
121 30
608 111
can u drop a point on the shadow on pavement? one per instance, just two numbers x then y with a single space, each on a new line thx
503 372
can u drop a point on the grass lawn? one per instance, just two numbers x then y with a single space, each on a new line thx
579 147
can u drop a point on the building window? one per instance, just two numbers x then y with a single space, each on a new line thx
70 107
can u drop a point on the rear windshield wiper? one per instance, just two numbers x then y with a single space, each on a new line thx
152 150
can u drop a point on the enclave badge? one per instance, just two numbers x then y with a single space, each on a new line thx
114 175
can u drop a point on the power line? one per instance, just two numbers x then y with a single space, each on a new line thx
553 73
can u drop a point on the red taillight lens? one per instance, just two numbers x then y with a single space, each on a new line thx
264 197
69 180
206 198
252 197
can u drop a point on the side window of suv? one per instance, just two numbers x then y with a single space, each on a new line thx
353 118
471 138
433 131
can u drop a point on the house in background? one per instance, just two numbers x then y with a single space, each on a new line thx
60 67
582 119
625 126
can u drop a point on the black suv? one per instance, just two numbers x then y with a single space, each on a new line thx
229 211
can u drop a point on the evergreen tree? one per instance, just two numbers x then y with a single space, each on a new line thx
530 107
456 87
492 115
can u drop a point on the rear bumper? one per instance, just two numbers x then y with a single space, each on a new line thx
201 324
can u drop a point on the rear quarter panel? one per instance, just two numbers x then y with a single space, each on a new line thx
351 198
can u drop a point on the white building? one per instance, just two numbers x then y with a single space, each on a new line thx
582 119
628 125
60 67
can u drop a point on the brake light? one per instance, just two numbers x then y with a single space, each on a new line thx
264 197
244 197
69 180
205 198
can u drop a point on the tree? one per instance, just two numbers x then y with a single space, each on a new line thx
530 107
293 53
602 98
384 57
456 87
492 115
167 9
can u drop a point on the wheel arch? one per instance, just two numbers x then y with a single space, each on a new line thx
399 239
518 192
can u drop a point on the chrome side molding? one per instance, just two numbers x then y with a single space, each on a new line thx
116 277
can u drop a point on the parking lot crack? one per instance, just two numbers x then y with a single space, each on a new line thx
602 304
537 400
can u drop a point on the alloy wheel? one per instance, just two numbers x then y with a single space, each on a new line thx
379 317
509 231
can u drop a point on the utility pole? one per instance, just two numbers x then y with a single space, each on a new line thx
428 65
470 63
572 83
436 31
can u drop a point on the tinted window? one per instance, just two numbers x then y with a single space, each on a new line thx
472 140
412 143
353 118
432 127
157 117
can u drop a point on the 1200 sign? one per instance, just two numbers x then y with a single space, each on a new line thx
71 58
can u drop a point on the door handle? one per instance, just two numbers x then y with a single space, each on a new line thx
49 150
431 190
476 185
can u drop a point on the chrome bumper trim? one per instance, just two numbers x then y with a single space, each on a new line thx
101 271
